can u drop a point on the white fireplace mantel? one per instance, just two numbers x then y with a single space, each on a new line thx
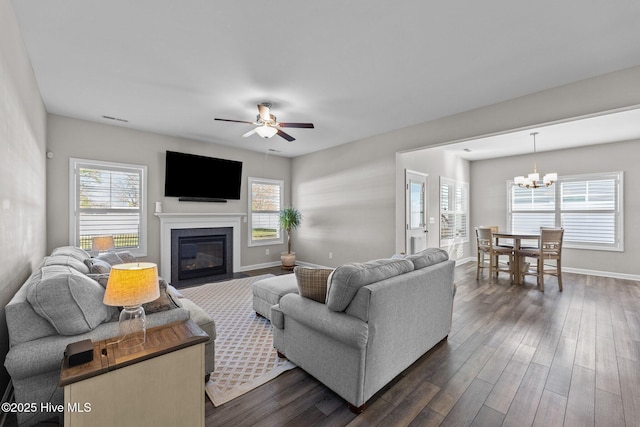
171 221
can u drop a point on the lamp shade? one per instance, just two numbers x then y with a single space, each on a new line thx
132 284
102 243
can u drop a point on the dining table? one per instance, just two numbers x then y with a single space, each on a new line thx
516 243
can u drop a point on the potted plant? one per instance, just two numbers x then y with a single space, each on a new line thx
290 219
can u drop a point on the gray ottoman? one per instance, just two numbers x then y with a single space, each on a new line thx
267 292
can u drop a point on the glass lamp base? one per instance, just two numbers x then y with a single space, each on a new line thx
133 328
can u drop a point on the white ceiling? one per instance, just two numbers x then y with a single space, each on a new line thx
354 68
600 129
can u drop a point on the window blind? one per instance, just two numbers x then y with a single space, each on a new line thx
265 202
109 201
588 207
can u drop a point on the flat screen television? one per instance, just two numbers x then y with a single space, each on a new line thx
199 178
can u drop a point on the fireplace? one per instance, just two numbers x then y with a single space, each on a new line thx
199 255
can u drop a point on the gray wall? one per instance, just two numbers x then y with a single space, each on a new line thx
348 194
435 162
489 200
22 169
69 137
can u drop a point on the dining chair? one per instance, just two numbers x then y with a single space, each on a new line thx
496 229
549 248
486 247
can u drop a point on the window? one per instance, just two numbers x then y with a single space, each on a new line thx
265 203
588 207
454 212
108 198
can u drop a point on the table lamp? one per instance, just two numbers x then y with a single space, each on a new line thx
130 285
102 243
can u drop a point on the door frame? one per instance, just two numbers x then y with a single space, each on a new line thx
423 178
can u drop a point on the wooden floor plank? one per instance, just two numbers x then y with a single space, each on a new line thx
507 386
551 410
527 399
630 389
559 379
609 411
469 404
488 417
607 378
447 397
581 402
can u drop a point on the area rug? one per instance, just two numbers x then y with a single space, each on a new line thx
244 356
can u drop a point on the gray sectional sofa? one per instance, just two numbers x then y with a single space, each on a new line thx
379 318
61 303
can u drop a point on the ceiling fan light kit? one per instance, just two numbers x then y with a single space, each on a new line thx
266 131
533 179
267 125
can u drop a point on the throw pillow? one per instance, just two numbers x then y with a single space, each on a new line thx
72 303
126 256
312 282
111 258
162 303
98 266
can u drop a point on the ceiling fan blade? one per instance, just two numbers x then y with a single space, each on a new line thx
296 125
251 132
286 136
263 110
235 121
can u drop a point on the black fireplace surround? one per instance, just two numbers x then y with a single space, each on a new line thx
200 255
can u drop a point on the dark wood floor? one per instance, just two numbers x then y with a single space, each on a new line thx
515 357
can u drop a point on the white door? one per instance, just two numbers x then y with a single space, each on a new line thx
415 212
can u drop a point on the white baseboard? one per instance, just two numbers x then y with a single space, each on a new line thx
612 274
310 265
464 260
259 266
276 264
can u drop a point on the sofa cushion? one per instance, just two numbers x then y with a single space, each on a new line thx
347 279
428 257
77 253
72 303
67 260
312 282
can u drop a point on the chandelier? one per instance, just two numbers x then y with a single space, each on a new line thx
533 179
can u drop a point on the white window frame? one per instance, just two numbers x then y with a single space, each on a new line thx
618 211
74 224
263 242
453 187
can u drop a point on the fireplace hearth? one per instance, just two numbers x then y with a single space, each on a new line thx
200 255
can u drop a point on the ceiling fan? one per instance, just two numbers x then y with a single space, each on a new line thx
267 126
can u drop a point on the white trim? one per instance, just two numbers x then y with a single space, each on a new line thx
170 221
269 242
464 260
310 265
612 274
74 162
260 266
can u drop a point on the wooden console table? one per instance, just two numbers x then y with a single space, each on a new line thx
158 383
